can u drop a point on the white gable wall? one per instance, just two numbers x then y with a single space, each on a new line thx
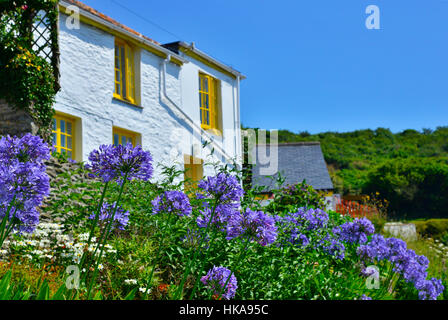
87 85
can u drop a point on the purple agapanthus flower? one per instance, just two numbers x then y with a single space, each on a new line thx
121 217
216 280
406 262
356 231
364 297
112 162
224 188
23 180
175 202
333 246
223 193
296 227
313 218
27 149
430 289
221 215
256 225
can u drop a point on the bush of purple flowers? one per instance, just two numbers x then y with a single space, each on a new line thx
23 182
290 253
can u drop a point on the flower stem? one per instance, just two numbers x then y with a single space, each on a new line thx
104 237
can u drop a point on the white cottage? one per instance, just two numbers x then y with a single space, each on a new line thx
118 86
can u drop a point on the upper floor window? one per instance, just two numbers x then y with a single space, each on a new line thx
209 103
63 133
123 137
124 72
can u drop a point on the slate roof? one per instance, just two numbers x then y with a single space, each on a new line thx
296 162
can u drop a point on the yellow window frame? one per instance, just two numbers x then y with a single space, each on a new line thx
63 136
122 133
208 102
124 72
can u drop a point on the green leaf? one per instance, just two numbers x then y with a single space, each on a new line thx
131 295
44 292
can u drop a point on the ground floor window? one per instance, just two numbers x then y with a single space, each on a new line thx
63 133
194 171
123 137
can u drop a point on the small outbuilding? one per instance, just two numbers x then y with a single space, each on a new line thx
295 162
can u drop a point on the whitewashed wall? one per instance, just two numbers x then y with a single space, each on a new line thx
87 85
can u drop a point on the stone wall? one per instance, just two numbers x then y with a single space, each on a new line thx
65 178
15 122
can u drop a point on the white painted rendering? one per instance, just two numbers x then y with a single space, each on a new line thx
87 85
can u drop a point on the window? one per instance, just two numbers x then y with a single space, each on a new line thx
193 171
124 72
123 137
63 135
208 102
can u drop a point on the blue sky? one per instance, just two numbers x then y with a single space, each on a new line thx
312 65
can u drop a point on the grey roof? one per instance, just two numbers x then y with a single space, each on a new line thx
296 162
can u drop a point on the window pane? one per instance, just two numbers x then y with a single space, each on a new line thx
116 139
123 140
55 124
62 126
69 142
69 128
123 72
70 155
206 84
54 139
206 104
62 140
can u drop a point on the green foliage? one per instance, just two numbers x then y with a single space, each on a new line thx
296 196
414 187
432 228
28 80
414 166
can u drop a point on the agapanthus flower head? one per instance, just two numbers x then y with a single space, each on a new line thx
295 228
333 246
23 180
27 149
217 278
406 262
313 218
356 231
172 202
430 289
121 217
364 297
255 225
223 187
112 162
217 217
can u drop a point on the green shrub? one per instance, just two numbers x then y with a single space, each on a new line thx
433 228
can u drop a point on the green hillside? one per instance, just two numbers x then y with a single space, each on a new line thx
409 168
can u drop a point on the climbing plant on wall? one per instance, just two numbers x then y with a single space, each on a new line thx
29 58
